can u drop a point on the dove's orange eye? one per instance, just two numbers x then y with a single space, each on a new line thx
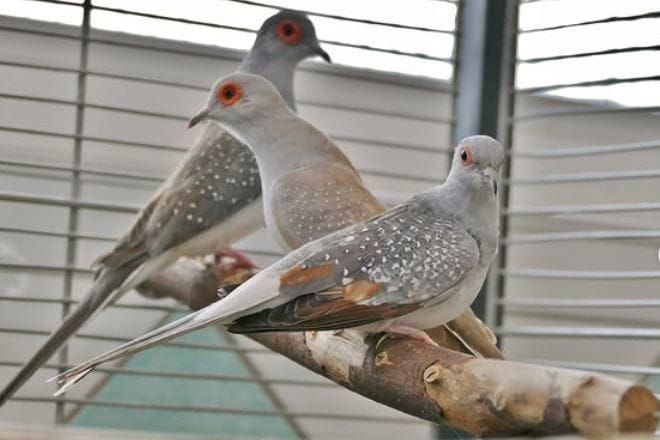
289 31
229 93
466 156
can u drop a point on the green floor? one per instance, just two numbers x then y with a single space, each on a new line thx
197 392
175 391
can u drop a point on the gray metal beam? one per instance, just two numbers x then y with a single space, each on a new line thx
483 28
482 81
484 78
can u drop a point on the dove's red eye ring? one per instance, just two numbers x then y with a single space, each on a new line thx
229 93
466 156
289 31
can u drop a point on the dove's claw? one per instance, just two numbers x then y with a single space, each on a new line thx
228 259
411 332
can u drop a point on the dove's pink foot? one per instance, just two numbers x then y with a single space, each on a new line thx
228 259
232 268
411 332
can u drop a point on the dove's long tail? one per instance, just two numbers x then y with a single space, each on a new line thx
99 294
260 291
475 335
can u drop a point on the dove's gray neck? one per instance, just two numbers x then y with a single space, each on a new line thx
477 208
278 71
282 142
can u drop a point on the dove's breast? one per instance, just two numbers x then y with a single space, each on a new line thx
457 301
309 203
449 309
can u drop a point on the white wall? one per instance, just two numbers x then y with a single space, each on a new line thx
593 255
409 144
390 130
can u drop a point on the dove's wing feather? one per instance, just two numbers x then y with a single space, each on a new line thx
222 179
376 270
217 178
327 310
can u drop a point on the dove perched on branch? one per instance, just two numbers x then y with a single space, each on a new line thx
311 189
212 197
411 268
309 186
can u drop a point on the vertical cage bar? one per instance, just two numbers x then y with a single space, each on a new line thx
495 284
481 91
443 430
458 66
254 373
72 227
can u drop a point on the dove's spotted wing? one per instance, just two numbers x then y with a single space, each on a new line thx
312 202
389 266
222 179
218 177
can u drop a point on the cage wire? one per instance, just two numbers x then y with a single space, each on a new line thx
573 283
577 272
82 177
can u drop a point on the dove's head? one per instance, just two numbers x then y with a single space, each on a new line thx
241 100
477 165
288 36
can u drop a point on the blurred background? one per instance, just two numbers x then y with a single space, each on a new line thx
94 100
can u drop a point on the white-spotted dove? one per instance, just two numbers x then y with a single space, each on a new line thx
213 196
413 267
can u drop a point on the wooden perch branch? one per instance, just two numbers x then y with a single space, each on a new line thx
486 397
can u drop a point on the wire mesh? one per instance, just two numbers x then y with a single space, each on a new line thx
578 265
73 178
553 234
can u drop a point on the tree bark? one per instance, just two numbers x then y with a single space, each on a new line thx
486 397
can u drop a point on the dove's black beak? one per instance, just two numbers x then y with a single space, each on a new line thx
322 53
492 177
199 117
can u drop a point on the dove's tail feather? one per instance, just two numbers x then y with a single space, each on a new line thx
261 290
99 295
474 335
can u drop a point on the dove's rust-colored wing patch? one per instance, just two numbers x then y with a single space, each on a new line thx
359 290
304 275
327 310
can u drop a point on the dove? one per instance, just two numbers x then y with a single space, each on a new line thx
212 197
413 267
309 187
226 267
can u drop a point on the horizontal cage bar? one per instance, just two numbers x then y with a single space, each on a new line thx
215 409
582 303
109 338
562 112
351 19
42 300
617 19
583 209
597 176
549 237
598 82
248 30
580 274
589 150
159 179
603 368
180 375
630 49
578 332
